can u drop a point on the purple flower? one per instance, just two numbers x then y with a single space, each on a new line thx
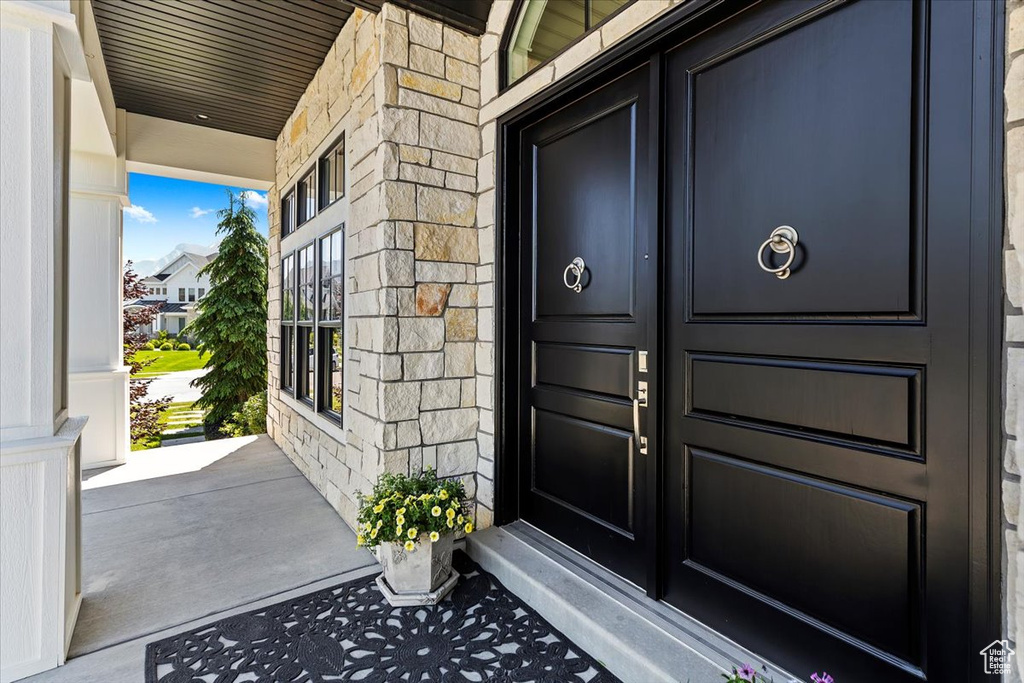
746 672
823 678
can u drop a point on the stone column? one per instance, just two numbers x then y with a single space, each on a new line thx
98 376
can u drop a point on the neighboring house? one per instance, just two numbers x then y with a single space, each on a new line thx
719 302
175 288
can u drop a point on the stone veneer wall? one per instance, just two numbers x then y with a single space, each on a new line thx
405 90
1014 336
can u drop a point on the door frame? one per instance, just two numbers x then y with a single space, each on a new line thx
987 364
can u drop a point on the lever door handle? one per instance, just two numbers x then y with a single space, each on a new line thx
640 400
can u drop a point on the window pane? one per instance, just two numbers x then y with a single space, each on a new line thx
544 28
288 288
202 292
337 244
307 282
287 213
332 363
337 297
307 363
307 198
287 357
332 174
181 293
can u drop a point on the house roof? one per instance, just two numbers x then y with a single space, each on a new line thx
165 306
162 276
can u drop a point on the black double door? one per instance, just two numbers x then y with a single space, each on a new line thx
803 484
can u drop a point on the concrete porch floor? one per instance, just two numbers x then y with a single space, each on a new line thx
183 535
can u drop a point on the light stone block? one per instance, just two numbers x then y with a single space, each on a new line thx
437 132
459 359
456 458
423 365
446 426
441 394
426 61
420 334
461 46
436 205
425 32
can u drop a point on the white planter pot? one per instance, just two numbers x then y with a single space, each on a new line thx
422 576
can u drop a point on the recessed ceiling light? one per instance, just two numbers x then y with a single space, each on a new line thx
202 117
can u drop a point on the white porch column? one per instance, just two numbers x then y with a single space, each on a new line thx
98 375
40 588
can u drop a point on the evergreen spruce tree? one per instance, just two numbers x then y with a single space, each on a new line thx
231 320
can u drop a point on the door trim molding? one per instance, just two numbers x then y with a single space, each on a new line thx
987 364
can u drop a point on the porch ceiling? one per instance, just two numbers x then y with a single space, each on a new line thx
242 64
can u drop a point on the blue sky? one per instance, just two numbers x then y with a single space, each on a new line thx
166 212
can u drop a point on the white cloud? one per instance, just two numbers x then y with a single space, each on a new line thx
254 199
196 212
140 214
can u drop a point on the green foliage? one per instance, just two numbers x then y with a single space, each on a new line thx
148 346
251 419
182 347
232 318
167 346
409 510
162 336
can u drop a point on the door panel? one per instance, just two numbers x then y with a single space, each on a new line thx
855 552
816 426
584 168
575 206
825 144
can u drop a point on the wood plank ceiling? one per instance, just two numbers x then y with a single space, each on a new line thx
241 64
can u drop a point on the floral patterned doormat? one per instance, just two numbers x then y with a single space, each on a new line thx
481 632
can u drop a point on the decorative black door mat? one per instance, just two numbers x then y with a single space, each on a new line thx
482 632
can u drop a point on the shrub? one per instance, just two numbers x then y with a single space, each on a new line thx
148 346
251 419
167 346
183 347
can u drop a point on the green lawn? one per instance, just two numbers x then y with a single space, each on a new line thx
169 361
177 416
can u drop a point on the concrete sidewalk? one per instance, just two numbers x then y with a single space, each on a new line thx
183 535
177 385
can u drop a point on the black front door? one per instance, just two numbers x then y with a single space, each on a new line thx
810 485
817 425
585 181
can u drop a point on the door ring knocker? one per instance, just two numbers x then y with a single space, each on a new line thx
783 240
575 268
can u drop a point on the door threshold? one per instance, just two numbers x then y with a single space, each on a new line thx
635 637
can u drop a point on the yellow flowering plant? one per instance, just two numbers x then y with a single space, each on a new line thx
412 510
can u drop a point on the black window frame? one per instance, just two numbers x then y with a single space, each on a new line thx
328 168
330 322
510 28
305 327
287 381
305 191
288 213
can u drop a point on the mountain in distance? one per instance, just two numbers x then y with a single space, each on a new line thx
147 267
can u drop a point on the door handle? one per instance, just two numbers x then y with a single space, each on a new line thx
640 400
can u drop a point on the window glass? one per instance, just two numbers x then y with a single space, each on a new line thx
191 293
202 292
306 192
288 288
287 357
332 174
307 365
181 293
307 284
332 276
332 359
288 213
545 27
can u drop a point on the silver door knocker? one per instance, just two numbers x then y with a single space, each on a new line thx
575 269
783 240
